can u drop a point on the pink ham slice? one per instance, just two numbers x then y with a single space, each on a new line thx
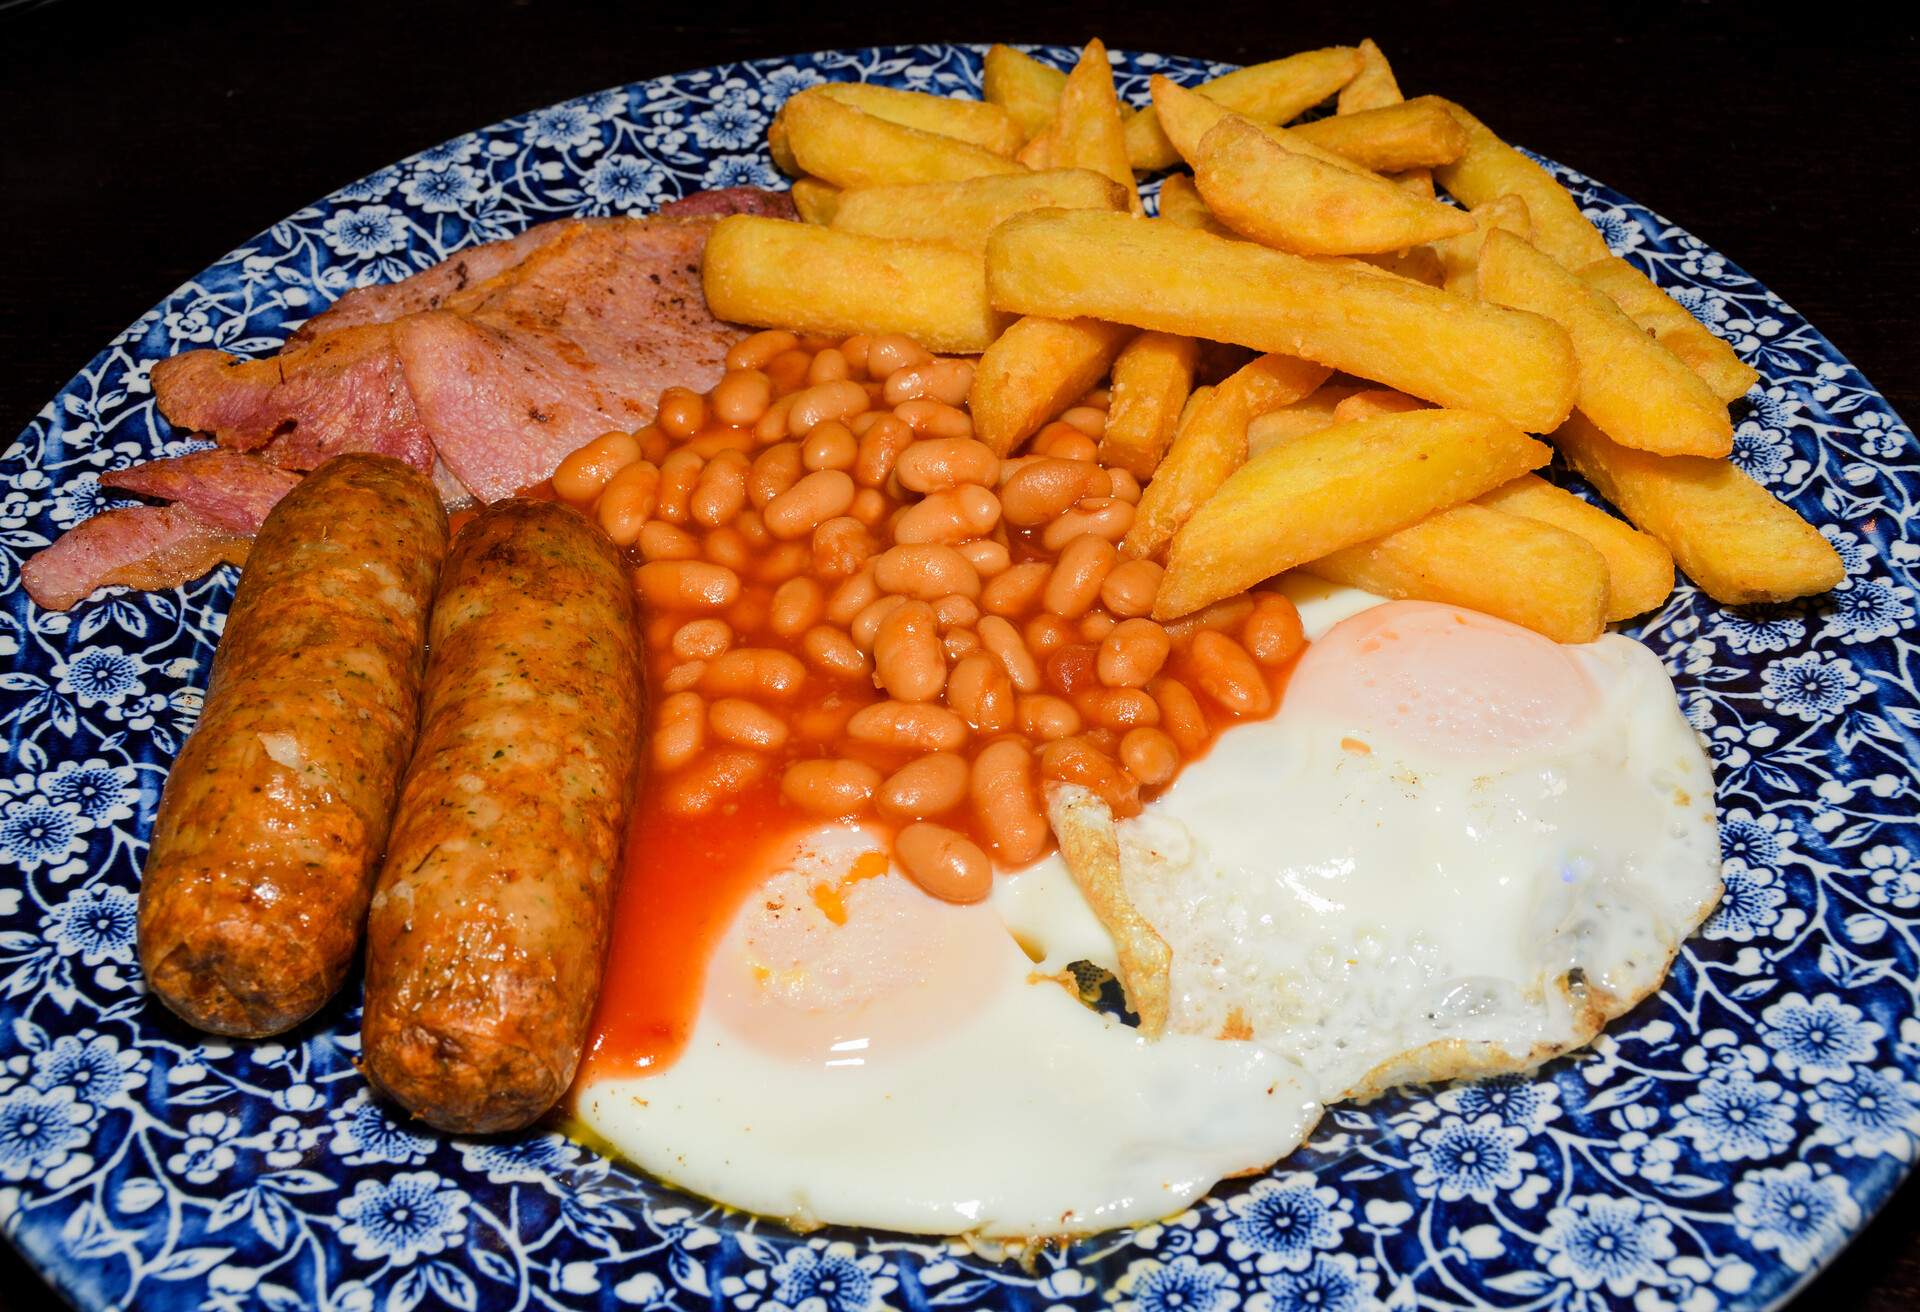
145 547
230 491
722 201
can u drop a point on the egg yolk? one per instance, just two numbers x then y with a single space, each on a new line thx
1447 681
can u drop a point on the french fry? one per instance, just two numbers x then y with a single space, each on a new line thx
1393 138
1375 87
977 122
1180 203
1087 130
1698 347
1523 570
1417 263
1035 370
1493 168
1309 415
1371 401
1637 391
1639 569
780 148
1460 255
1305 499
1210 444
1023 86
1440 348
1273 92
963 213
816 201
776 273
1260 188
1186 117
849 147
1731 536
1152 378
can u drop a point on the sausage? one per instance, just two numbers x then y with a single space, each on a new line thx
273 818
489 924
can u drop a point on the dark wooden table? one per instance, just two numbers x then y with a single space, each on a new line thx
138 148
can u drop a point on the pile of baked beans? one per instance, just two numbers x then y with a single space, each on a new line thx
845 591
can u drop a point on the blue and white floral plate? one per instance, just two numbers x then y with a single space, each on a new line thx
1713 1150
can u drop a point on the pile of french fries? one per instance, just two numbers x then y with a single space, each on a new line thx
1406 347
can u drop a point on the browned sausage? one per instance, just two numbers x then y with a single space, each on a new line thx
273 818
489 924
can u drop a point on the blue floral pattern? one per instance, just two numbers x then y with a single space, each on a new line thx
1709 1152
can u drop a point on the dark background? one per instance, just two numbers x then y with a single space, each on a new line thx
137 147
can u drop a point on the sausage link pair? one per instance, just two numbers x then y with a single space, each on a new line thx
272 820
489 925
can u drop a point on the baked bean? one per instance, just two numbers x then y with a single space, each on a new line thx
754 351
951 516
809 503
948 381
936 419
797 607
829 366
1046 717
1045 634
654 444
1100 398
832 652
679 730
823 722
1130 589
659 630
927 786
1006 803
1016 590
699 639
987 557
683 676
1042 489
582 474
855 350
753 528
1132 654
709 782
1078 761
746 724
774 470
926 571
721 492
831 445
840 547
938 463
944 863
913 726
981 692
754 672
824 401
729 547
1227 674
741 397
1001 639
687 585
1272 633
749 614
1117 708
959 644
890 352
773 425
683 412
866 625
881 443
1150 756
787 371
956 612
1063 442
852 597
777 564
628 502
660 541
829 787
1125 487
1095 625
679 475
908 662
1087 419
1075 582
1180 714
1224 616
869 506
1072 667
1104 517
